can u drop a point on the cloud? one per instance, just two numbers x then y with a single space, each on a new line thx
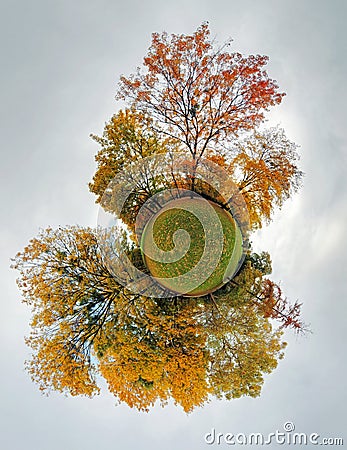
60 66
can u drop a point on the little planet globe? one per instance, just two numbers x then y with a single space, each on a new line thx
192 246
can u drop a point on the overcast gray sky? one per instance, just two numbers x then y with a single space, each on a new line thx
60 61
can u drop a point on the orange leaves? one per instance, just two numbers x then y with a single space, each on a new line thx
229 92
70 291
275 305
265 168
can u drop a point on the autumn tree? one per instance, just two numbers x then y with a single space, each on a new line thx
208 104
243 347
72 295
201 96
265 169
84 323
195 97
159 355
243 343
189 351
128 136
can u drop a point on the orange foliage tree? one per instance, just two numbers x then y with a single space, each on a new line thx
191 96
201 96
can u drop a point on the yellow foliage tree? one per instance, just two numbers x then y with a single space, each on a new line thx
127 137
265 169
71 293
185 349
163 356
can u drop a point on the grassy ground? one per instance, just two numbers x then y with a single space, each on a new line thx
173 218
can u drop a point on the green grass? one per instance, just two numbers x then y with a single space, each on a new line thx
221 232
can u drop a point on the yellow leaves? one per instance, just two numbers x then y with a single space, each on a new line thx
127 137
198 99
55 366
163 358
172 356
147 349
266 172
59 277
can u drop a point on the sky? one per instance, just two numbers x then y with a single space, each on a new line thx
60 63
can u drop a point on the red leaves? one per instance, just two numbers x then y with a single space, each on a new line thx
231 91
276 306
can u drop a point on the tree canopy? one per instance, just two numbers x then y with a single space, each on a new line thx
128 136
147 349
207 105
194 97
200 95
